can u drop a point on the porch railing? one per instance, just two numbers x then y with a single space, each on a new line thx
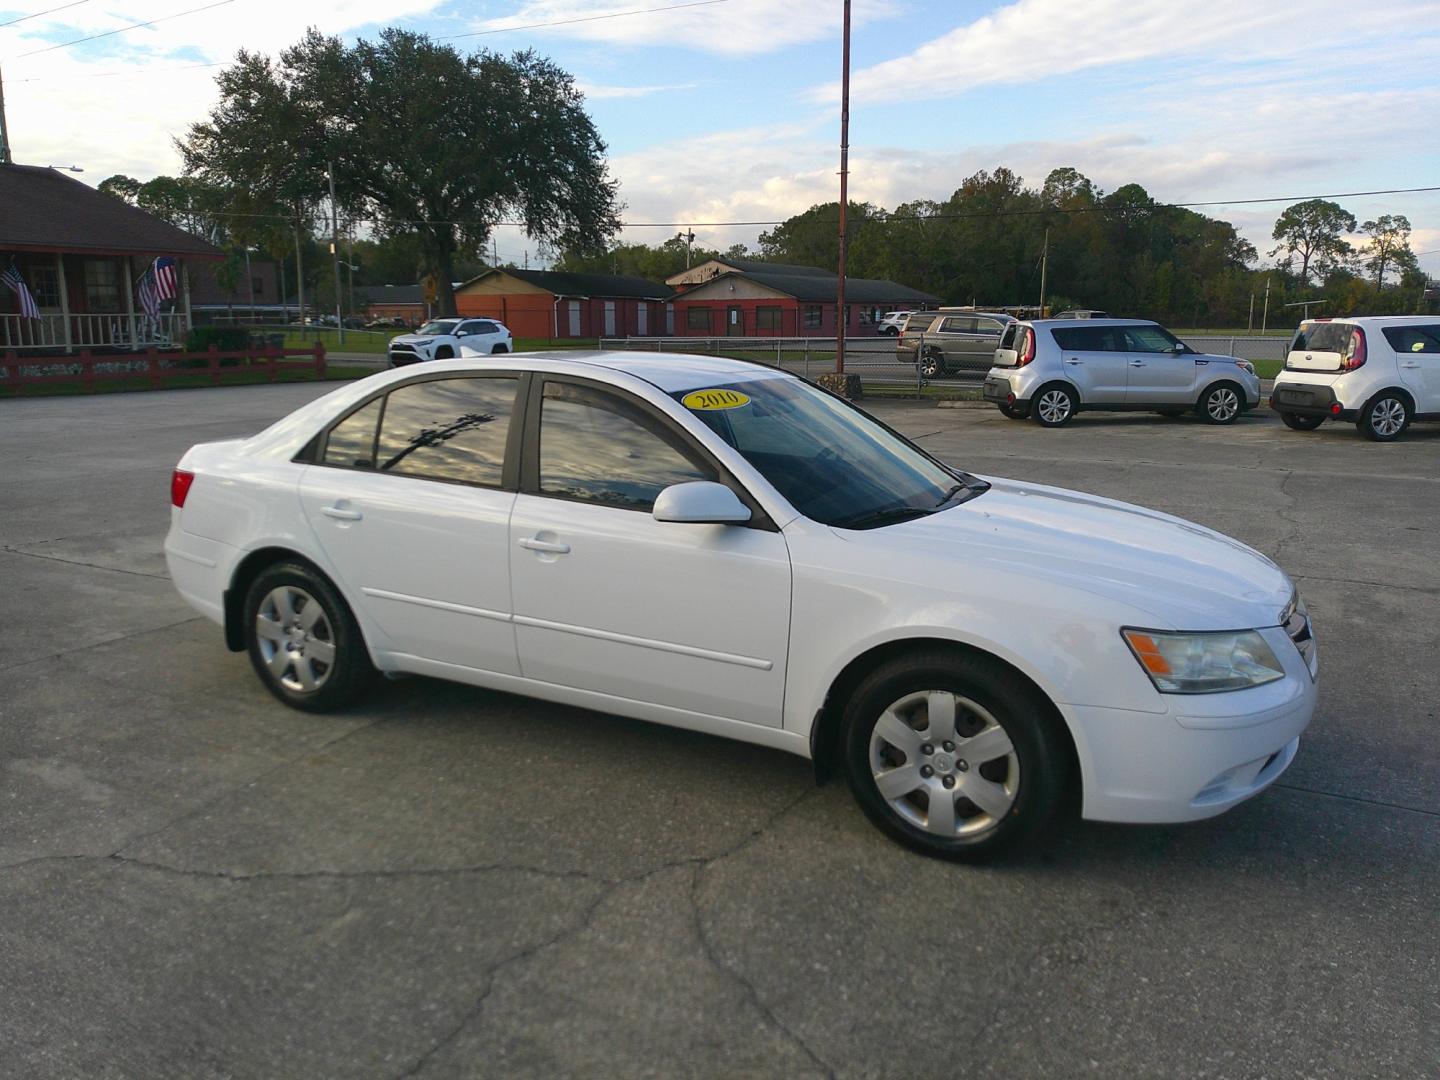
113 331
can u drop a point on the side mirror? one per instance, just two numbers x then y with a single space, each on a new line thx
700 502
462 333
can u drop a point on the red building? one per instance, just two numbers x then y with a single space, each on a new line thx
560 304
750 298
81 255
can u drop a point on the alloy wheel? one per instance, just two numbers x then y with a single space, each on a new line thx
943 763
297 642
1387 417
1054 406
1222 405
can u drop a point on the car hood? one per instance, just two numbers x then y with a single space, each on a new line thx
416 339
1183 575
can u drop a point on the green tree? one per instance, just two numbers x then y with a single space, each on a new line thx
1389 246
1313 232
425 141
122 187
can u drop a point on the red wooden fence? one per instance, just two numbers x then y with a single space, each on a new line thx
270 359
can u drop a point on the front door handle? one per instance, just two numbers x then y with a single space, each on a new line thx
339 513
532 543
1137 363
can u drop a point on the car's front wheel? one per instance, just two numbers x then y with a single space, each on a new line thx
1014 412
303 640
952 754
1296 422
1221 404
1385 418
444 352
500 348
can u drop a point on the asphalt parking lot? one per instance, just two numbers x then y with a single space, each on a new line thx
197 882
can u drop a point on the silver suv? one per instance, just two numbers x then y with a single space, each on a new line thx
1050 369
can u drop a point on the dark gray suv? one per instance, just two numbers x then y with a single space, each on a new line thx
944 342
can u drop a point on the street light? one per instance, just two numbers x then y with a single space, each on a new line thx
66 168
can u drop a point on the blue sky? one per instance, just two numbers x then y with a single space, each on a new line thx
728 111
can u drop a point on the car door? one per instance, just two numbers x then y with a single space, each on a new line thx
1094 359
1417 357
959 342
1158 374
607 599
410 497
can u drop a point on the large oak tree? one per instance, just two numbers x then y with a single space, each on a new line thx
425 142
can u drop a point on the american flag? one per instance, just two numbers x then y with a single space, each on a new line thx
16 284
156 284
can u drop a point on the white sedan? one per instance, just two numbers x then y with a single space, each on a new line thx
725 547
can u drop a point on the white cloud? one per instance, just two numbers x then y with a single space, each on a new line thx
1037 40
729 27
596 92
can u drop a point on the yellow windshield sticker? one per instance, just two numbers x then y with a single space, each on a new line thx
714 399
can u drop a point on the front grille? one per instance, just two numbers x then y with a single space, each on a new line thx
401 346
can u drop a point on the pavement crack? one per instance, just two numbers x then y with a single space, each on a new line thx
1369 584
77 562
101 644
1359 799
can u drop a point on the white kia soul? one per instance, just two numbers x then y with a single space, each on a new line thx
1378 372
725 547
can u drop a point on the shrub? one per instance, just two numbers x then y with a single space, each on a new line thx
224 338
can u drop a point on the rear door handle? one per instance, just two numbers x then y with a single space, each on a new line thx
1411 364
339 513
531 543
1072 360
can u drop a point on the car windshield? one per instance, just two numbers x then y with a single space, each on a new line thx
833 463
439 326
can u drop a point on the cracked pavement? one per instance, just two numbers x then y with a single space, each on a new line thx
449 882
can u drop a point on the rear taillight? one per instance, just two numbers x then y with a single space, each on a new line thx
180 482
1354 355
1027 348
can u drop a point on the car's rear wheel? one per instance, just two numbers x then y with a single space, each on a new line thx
952 754
1221 404
303 640
1385 418
1296 422
932 364
1053 406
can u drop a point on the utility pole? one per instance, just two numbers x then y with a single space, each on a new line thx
689 235
299 276
4 127
350 264
844 188
1250 319
335 253
1265 317
494 252
1044 267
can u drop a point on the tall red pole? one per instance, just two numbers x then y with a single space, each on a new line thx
844 194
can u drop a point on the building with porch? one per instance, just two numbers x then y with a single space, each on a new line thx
749 298
82 254
560 304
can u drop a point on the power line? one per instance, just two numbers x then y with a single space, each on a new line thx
582 19
47 11
120 74
122 29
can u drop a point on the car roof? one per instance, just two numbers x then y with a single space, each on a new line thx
1376 320
671 372
1051 323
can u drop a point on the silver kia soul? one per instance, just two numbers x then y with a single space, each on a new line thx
1050 369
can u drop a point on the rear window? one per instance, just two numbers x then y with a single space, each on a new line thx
919 324
1322 337
1007 339
1089 338
1413 339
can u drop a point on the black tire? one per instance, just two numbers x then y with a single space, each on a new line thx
444 352
1014 412
1031 774
1053 405
499 349
1221 404
338 680
1385 417
1296 422
932 364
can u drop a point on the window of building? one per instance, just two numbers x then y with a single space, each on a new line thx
814 315
102 285
767 318
698 318
447 429
598 447
257 284
44 282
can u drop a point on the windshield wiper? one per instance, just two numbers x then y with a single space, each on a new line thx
889 515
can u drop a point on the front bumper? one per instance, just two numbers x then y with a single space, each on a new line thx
1209 753
1305 400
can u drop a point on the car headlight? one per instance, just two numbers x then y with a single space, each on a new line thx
1245 365
1204 663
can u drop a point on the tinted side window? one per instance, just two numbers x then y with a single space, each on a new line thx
987 326
1413 339
1149 339
1089 338
599 447
957 325
919 324
448 429
352 441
